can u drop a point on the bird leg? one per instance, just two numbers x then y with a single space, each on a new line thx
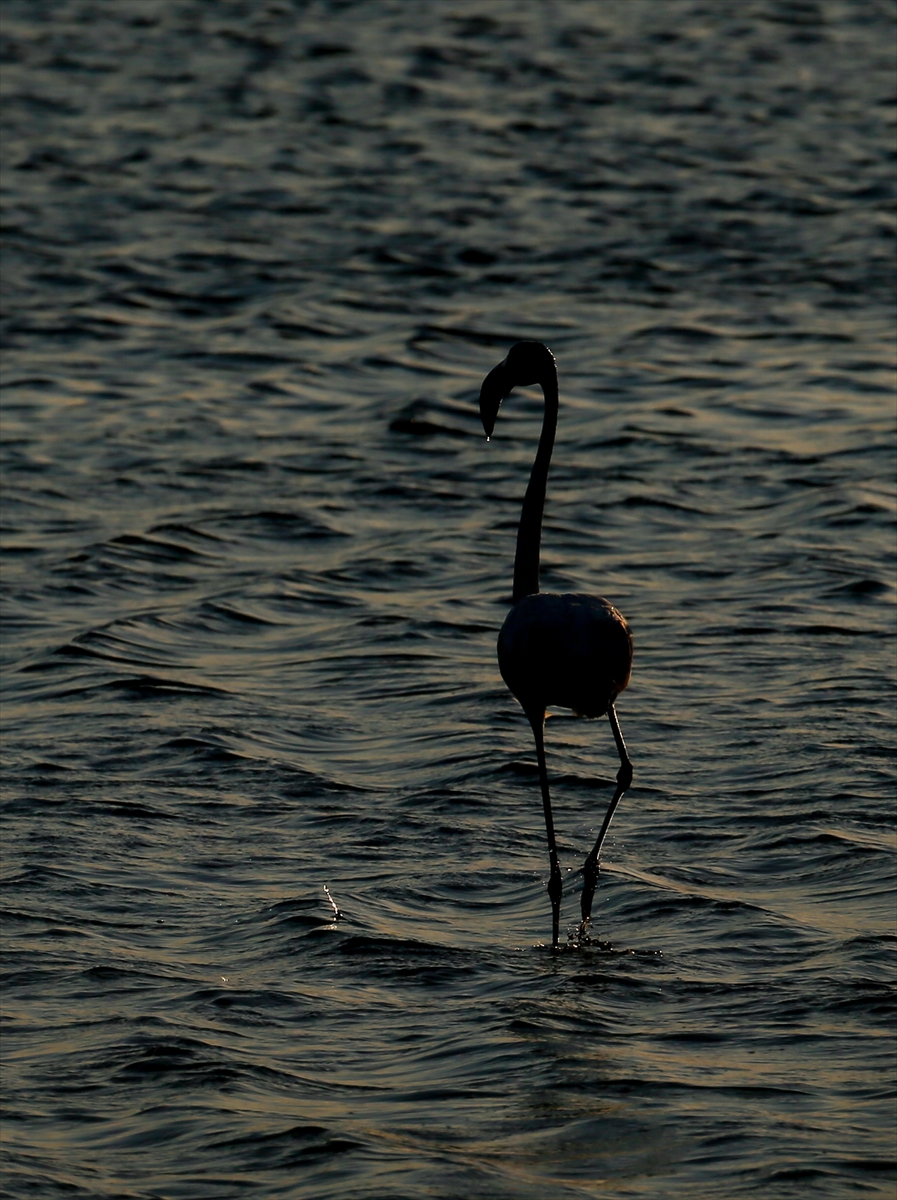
624 779
555 884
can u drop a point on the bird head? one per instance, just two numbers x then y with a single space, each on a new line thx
526 363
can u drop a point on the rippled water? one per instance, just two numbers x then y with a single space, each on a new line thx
258 258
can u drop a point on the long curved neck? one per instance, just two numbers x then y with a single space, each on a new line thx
529 532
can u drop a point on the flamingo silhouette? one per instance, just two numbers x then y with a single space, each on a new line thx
573 650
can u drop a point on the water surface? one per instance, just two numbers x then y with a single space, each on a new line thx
258 259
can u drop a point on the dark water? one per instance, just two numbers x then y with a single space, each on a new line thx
258 258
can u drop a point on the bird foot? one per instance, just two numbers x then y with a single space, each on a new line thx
581 936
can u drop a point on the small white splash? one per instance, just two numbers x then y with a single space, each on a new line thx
330 900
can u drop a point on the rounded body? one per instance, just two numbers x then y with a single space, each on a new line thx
571 650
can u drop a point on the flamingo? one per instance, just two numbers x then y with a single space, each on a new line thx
572 650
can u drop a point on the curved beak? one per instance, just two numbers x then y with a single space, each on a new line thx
496 386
